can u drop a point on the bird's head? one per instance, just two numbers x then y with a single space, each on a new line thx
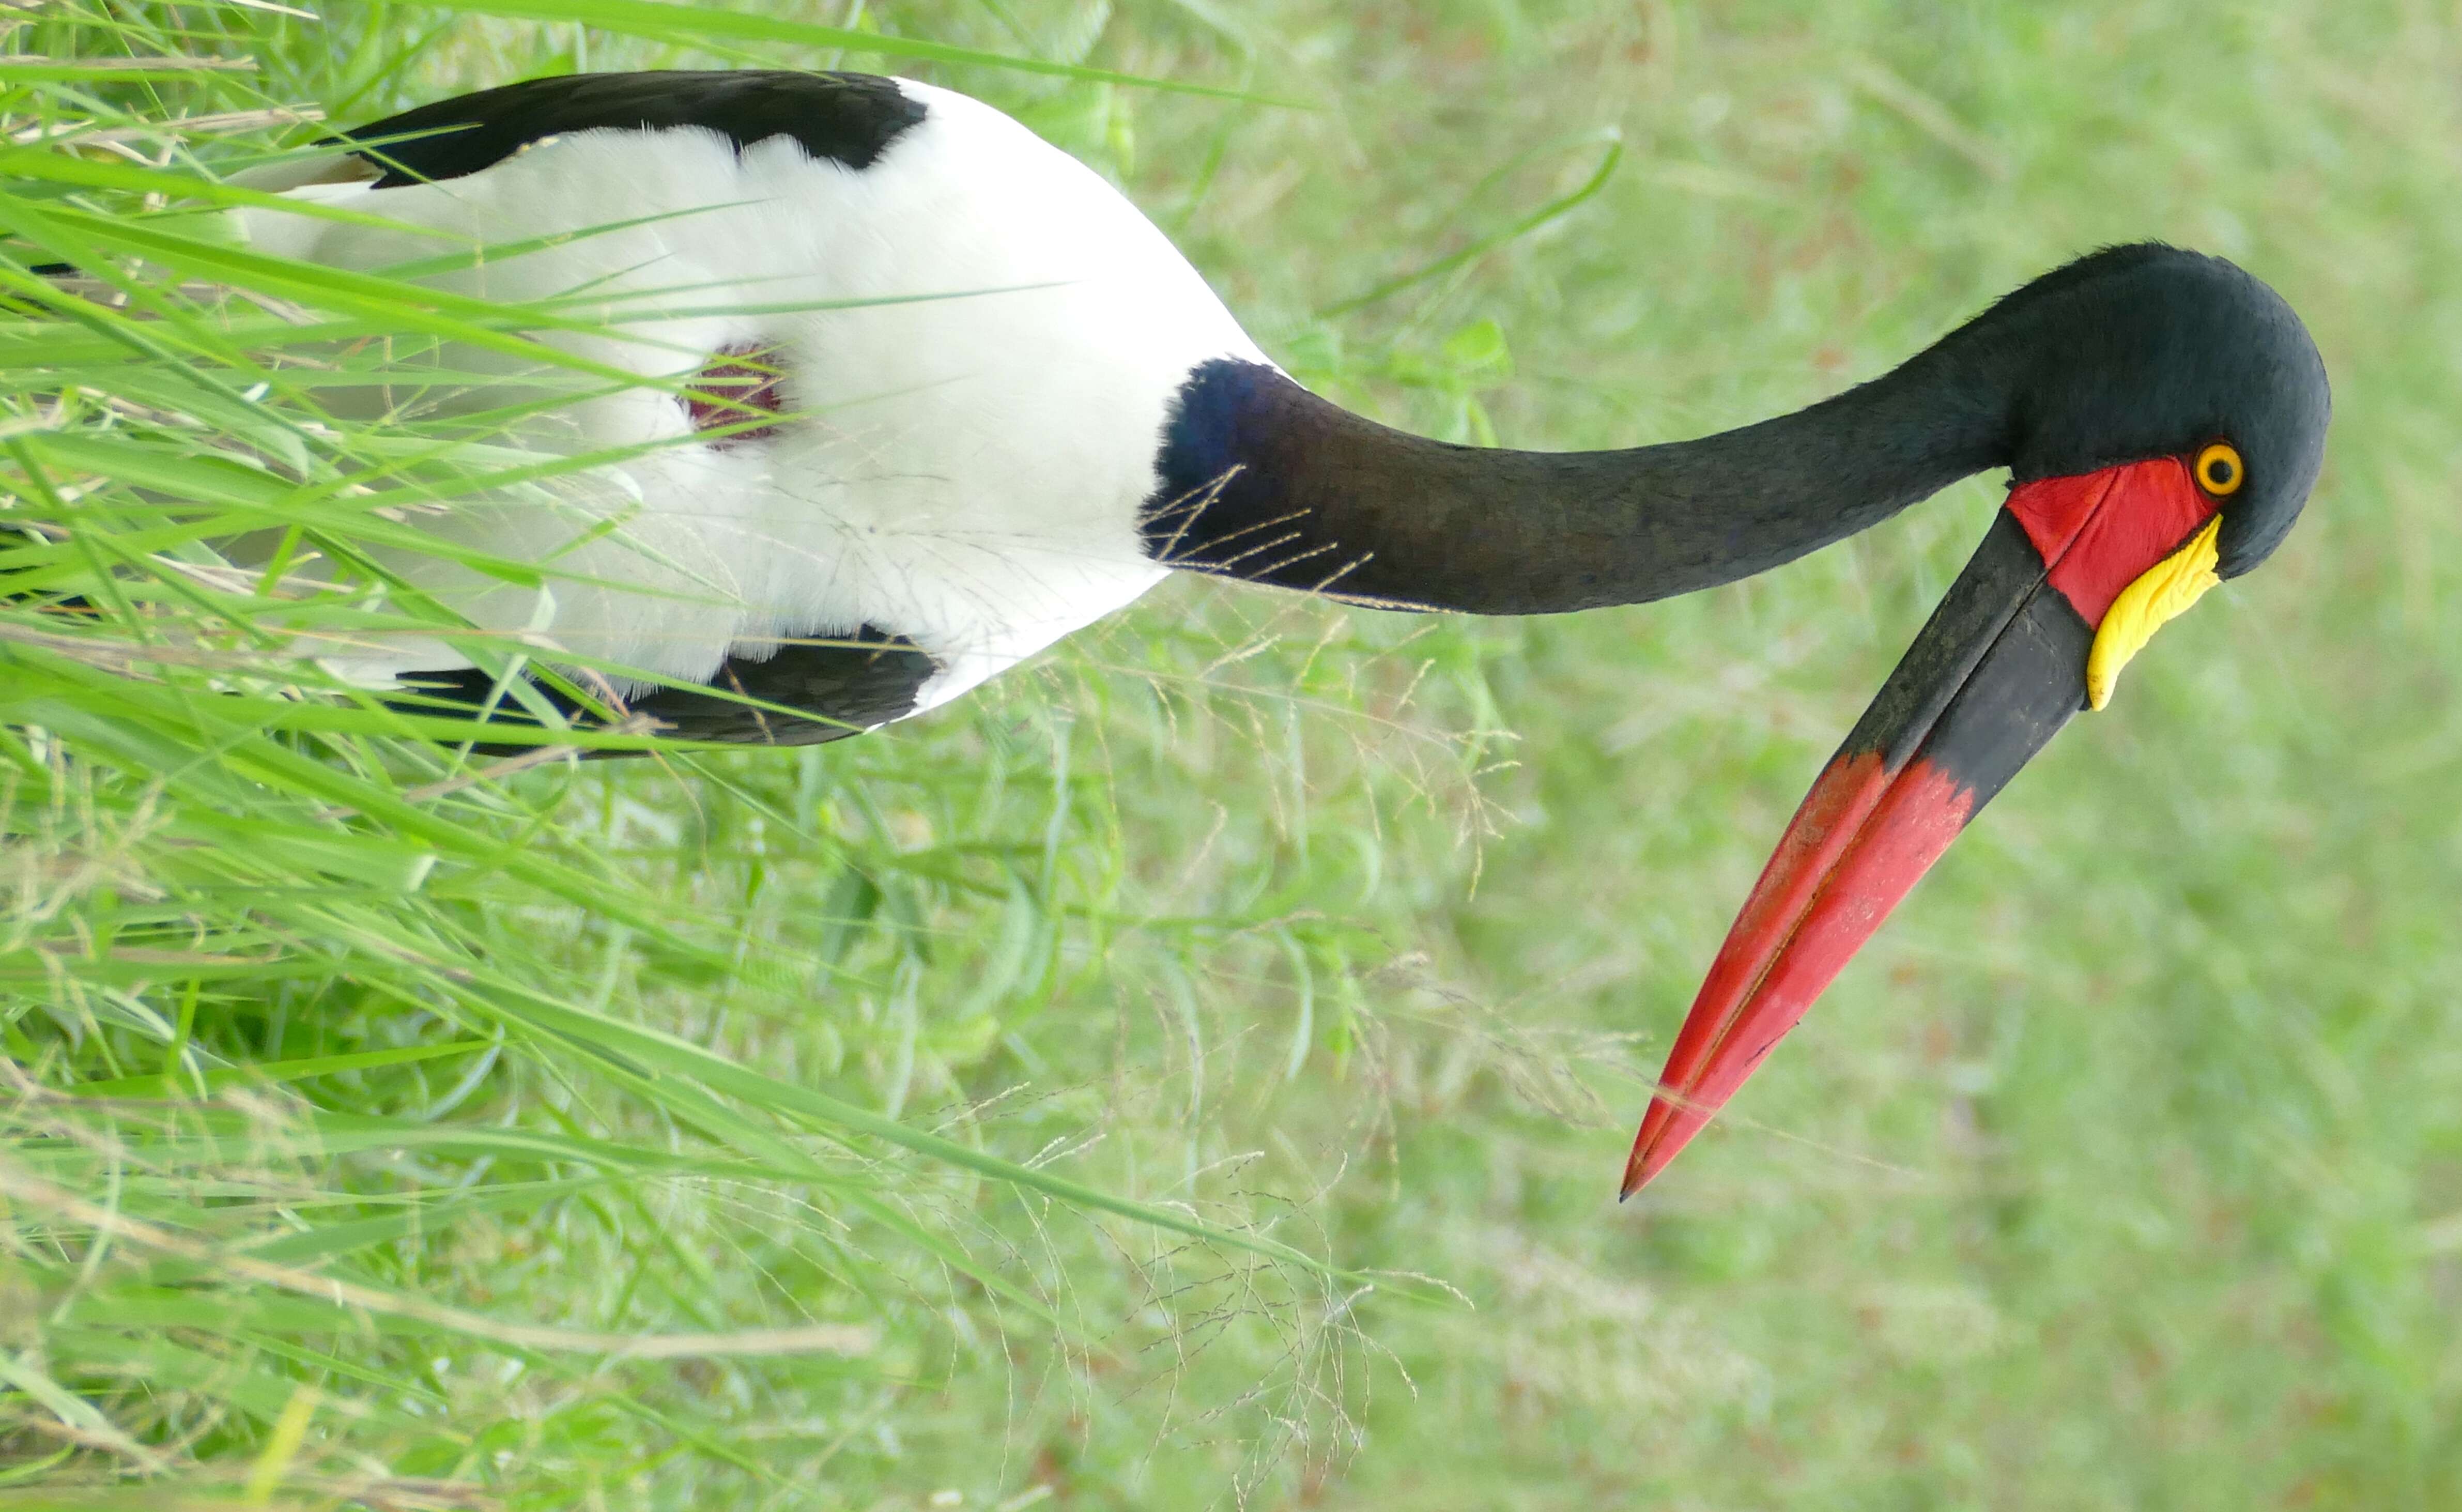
2163 417
2142 354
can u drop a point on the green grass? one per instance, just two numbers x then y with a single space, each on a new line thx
718 1131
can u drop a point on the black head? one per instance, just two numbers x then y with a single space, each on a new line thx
2147 351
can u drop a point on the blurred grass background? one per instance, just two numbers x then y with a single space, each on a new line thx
2124 1169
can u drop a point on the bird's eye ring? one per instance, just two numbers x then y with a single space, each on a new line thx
2220 471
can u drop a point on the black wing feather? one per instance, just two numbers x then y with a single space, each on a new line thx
866 678
846 118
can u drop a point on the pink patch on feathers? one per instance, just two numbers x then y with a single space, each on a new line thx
739 384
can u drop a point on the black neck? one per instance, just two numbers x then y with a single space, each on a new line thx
1265 480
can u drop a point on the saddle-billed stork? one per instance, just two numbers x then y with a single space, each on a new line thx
930 394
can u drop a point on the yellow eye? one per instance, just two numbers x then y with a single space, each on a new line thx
2219 469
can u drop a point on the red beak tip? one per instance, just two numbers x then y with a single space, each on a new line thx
1639 1166
1636 1169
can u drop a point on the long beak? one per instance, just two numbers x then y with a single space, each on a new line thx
1994 674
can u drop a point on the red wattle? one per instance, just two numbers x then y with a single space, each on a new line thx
2099 531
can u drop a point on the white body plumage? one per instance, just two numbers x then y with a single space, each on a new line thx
979 339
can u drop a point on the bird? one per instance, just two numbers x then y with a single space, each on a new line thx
918 394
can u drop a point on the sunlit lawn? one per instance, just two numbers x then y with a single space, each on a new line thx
2122 1170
